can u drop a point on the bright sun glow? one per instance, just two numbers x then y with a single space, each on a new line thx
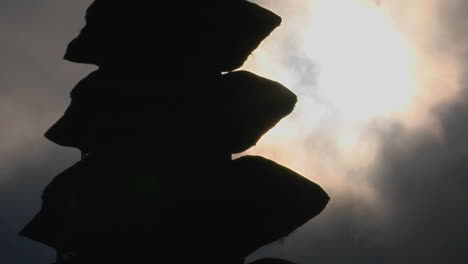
364 68
351 62
365 65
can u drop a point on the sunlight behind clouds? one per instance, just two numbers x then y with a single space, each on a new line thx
352 63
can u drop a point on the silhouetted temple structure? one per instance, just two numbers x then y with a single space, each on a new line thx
157 125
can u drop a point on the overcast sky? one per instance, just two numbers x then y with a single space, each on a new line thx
418 212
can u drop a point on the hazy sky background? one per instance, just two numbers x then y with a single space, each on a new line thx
381 124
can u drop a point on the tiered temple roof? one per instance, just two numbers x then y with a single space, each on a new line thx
157 124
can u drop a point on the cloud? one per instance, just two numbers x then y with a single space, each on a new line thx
20 194
33 94
419 176
422 217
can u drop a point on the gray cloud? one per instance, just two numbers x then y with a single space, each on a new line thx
20 196
35 83
421 181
